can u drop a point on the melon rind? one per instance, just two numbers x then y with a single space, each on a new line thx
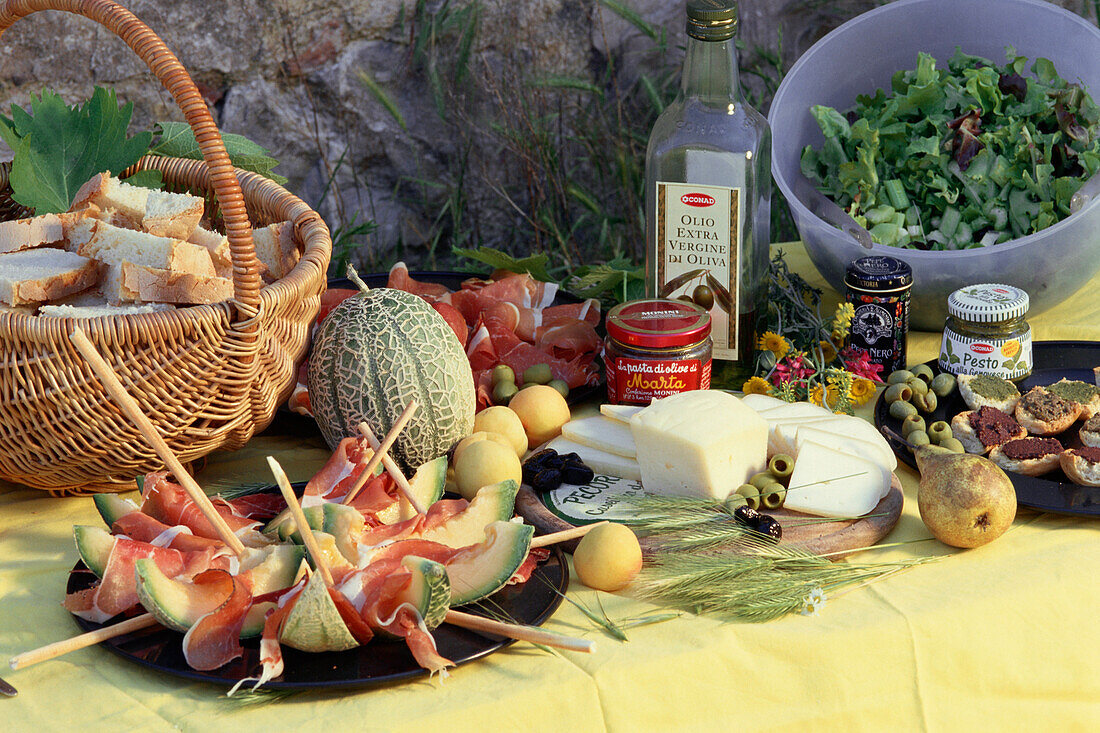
481 570
377 351
314 624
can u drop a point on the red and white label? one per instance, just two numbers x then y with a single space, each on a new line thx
698 199
981 348
640 381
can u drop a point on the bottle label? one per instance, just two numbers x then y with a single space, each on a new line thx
1008 358
640 381
699 252
602 499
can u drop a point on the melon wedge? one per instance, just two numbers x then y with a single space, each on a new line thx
483 569
94 545
427 486
492 503
314 624
113 507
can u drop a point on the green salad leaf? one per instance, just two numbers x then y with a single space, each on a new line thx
177 140
58 148
958 157
535 265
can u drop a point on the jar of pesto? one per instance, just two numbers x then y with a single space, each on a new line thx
986 332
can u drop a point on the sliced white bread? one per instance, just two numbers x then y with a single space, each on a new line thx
276 250
38 275
103 309
125 203
40 231
144 284
171 214
218 244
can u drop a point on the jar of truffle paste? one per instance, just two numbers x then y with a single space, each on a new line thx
986 332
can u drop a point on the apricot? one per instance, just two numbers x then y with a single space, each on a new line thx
542 411
608 557
485 462
503 421
480 435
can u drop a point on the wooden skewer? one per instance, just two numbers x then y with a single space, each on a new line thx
58 648
379 454
131 409
393 469
567 534
523 633
300 519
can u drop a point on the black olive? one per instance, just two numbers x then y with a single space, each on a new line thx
571 458
747 516
547 479
578 475
769 527
540 458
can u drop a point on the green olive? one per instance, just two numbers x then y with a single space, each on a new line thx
703 297
911 423
537 374
952 444
917 438
686 299
898 392
751 495
918 385
772 495
924 372
735 500
781 466
503 373
901 376
902 409
925 402
762 479
943 384
503 392
560 386
939 431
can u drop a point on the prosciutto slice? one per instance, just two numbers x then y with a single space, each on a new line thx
169 503
214 640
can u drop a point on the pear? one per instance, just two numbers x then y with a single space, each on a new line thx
965 500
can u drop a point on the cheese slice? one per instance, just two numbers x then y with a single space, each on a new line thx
795 410
761 402
846 442
701 443
829 483
601 462
601 433
622 413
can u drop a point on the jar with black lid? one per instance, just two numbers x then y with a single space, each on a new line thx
878 288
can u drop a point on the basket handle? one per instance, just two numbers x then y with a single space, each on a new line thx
167 68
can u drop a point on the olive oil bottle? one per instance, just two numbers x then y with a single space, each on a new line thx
708 192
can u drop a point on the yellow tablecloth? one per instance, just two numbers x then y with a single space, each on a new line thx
1001 637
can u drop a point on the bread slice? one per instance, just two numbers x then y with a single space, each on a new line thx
981 390
1029 456
218 244
1081 393
1001 429
1082 465
19 234
276 250
125 203
171 214
1090 432
37 275
104 309
144 284
1041 412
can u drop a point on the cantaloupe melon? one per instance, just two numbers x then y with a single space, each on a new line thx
375 352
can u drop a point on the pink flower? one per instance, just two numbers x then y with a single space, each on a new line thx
859 363
795 367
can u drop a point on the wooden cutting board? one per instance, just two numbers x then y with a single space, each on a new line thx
824 538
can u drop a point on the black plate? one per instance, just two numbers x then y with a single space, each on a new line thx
379 662
1052 492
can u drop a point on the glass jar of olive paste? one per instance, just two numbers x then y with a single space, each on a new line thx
986 332
656 347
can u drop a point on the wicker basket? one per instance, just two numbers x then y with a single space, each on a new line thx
208 376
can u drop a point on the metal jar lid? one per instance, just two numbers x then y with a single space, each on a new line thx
657 323
712 20
988 303
878 273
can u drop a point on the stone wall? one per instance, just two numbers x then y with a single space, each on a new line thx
288 75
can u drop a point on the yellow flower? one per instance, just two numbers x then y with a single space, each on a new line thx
818 392
774 343
828 351
756 385
842 319
861 391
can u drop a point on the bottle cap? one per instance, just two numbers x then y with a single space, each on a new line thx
712 20
657 323
988 303
878 274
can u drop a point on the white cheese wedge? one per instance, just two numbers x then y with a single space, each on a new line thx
854 427
601 433
795 410
847 443
622 413
702 443
761 402
828 483
599 461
